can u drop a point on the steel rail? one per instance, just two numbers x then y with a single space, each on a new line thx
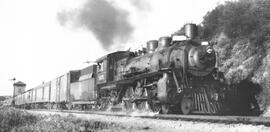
199 118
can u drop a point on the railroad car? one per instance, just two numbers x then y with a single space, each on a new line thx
83 92
22 100
28 98
40 96
59 89
19 100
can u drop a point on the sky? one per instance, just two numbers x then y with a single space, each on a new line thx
43 39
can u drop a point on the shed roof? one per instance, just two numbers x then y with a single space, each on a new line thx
19 83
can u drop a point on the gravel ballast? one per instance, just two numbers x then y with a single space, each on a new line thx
143 124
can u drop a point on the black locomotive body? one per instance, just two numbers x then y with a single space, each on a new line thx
176 74
176 77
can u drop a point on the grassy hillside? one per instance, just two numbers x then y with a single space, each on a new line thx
242 30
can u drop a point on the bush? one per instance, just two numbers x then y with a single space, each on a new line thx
243 18
242 30
11 118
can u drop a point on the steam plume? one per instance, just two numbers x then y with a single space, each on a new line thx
141 5
108 23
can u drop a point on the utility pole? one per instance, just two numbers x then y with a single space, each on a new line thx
13 79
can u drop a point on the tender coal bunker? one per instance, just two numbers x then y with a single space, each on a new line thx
245 102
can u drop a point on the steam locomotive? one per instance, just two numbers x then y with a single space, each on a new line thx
176 74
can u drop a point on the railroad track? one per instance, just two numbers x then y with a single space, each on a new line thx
200 118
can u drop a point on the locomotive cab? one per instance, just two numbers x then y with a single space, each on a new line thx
108 67
109 72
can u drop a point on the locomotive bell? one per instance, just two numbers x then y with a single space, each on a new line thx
164 42
152 46
191 30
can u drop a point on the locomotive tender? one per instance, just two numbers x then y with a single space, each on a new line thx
176 74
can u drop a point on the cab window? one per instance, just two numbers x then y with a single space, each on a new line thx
101 66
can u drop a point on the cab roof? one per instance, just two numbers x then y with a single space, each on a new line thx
111 54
